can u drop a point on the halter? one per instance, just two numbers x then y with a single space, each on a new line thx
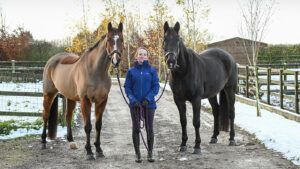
115 51
168 53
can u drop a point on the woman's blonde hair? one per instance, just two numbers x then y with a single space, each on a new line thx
137 51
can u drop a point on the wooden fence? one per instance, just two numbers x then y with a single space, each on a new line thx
20 72
281 84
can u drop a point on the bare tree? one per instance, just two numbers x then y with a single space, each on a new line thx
126 32
256 15
157 20
195 15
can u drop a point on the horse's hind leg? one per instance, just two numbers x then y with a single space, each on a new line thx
85 105
69 115
230 95
215 110
47 103
99 110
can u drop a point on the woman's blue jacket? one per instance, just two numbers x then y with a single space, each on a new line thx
141 84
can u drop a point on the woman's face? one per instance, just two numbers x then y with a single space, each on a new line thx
142 56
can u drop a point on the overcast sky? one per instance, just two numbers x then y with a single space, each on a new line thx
54 19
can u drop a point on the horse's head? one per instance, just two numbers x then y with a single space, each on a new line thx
115 43
171 44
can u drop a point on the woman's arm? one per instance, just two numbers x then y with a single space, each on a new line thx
128 87
154 86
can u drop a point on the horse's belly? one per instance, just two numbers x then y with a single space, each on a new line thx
63 80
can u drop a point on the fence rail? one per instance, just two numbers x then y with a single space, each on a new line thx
281 84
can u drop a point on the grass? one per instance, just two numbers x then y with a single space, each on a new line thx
12 125
7 126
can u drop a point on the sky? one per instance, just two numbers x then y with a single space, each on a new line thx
56 19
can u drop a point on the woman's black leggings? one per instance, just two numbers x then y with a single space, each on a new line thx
149 116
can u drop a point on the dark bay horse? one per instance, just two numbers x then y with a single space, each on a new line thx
84 79
198 76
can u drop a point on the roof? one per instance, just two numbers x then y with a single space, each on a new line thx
235 38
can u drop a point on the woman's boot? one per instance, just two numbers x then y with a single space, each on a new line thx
150 144
136 144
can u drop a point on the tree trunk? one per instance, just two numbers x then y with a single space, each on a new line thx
257 91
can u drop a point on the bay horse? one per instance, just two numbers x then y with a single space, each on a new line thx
198 76
84 79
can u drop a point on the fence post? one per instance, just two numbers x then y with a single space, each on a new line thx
284 77
296 93
13 62
268 84
64 104
238 81
247 81
281 88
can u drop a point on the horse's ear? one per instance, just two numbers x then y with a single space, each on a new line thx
177 27
166 26
109 27
120 26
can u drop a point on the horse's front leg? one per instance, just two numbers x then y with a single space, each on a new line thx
99 109
182 114
69 115
196 103
85 105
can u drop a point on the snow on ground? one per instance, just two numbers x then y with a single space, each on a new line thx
273 130
22 87
21 103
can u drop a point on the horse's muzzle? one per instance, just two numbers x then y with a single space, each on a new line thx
170 59
115 57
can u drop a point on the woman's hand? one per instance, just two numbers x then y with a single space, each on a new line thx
145 103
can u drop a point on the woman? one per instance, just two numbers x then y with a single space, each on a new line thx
141 86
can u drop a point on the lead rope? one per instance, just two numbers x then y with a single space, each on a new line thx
140 117
118 78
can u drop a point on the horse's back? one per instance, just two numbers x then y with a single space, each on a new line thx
221 68
227 60
55 71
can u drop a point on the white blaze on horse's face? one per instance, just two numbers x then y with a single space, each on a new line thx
115 55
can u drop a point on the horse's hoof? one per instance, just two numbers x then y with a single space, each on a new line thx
213 141
90 157
100 155
73 145
232 143
183 149
43 146
197 151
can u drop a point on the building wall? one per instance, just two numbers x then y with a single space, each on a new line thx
236 48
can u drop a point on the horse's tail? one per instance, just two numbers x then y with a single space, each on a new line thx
224 112
52 120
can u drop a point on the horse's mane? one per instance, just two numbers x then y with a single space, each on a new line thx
95 45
